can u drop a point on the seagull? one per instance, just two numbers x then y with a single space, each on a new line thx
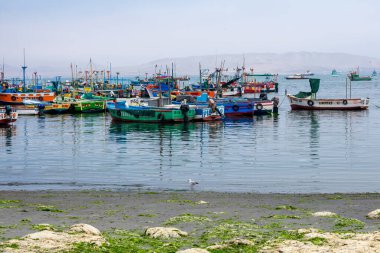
192 183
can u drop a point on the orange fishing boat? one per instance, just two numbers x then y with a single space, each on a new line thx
18 97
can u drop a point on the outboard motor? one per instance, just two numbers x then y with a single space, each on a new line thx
185 109
41 108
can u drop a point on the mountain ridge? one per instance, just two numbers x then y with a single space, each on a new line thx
280 63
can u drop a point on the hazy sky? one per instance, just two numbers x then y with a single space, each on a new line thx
57 32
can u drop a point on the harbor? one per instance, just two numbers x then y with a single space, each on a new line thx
52 151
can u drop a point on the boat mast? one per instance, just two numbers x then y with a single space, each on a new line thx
3 72
91 83
200 75
72 74
23 73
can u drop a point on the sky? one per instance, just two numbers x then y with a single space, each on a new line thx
124 32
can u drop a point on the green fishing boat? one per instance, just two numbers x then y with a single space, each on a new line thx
87 106
354 76
121 112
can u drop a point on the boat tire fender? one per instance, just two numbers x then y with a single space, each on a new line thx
259 106
160 116
13 98
310 102
344 101
40 98
235 108
118 113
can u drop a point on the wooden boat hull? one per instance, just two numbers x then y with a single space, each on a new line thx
206 113
6 119
328 104
237 109
18 98
263 108
57 108
27 109
87 106
364 78
150 114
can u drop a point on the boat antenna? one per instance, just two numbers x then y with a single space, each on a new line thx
23 73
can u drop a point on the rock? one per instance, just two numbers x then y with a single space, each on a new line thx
85 228
50 241
332 242
193 250
232 242
324 214
239 241
201 202
163 232
375 214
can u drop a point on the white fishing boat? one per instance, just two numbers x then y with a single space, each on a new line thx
308 101
297 77
8 115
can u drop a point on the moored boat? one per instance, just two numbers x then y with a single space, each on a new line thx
120 111
8 115
308 101
87 106
354 76
296 77
17 98
334 73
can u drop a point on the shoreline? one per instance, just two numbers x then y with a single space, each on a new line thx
191 211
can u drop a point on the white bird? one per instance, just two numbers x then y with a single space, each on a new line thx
192 183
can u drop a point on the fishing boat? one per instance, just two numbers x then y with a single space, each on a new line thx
16 96
251 85
233 107
8 115
87 106
29 109
120 111
263 106
57 108
296 77
308 100
354 76
334 73
46 108
204 112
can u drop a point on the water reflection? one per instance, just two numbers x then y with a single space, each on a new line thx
8 131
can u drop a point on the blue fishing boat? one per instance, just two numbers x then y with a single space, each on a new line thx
233 107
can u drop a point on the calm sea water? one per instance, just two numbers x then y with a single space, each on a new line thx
298 151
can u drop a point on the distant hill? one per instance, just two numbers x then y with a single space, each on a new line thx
295 62
286 63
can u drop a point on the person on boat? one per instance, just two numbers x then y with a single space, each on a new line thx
212 104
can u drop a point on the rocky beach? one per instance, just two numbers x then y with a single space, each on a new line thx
201 221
